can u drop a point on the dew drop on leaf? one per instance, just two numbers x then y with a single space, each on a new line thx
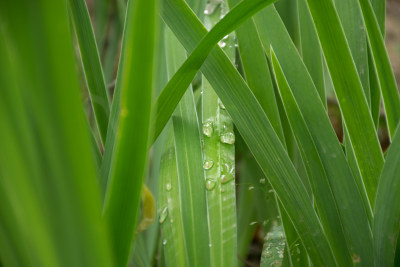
208 164
163 215
227 138
208 128
168 187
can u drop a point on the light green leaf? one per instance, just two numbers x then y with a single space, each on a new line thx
135 77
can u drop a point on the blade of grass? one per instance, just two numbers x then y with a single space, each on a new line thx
135 82
352 102
91 65
50 199
288 11
337 219
379 7
190 165
351 21
387 211
219 159
247 114
311 49
380 58
170 207
191 181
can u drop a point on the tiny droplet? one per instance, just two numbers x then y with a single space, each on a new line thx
208 128
208 164
227 138
163 215
210 184
225 178
168 186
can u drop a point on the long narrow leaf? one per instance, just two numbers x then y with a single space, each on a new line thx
387 211
91 65
191 181
136 75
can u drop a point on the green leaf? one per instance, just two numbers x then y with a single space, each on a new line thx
332 198
311 50
135 77
50 204
257 131
380 58
387 209
353 103
91 65
170 207
191 181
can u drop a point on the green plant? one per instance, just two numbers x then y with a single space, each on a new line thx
217 119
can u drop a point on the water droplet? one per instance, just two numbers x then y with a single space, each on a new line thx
163 215
221 105
226 178
225 37
210 184
221 44
210 245
236 45
262 181
164 242
253 223
208 128
211 7
251 188
227 138
168 186
208 164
